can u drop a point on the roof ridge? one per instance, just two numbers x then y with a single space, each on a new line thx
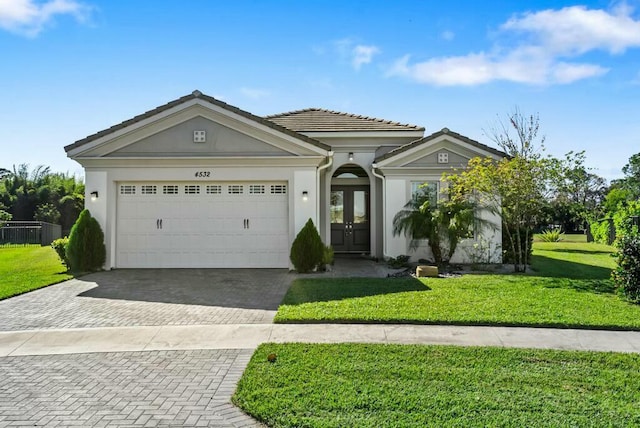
341 113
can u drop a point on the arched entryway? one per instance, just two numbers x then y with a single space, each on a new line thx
350 210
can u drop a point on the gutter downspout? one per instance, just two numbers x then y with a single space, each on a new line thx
374 166
322 168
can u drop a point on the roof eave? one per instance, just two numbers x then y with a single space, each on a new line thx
182 100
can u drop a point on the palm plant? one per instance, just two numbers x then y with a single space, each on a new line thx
443 224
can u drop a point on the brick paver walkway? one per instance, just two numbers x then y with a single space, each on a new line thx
151 297
128 389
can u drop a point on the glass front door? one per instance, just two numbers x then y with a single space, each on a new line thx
349 213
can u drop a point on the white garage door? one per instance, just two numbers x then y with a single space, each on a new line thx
204 225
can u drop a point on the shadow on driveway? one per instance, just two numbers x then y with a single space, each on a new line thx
231 288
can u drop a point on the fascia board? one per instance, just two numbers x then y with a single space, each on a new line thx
187 162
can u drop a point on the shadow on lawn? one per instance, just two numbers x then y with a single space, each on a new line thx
546 266
567 274
326 290
586 251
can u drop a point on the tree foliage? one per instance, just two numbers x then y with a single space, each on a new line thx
41 195
620 204
85 250
443 223
578 194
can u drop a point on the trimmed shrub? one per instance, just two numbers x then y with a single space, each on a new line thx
60 245
86 251
398 262
307 250
626 275
327 255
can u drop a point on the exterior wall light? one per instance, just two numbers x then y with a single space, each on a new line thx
350 156
94 195
305 195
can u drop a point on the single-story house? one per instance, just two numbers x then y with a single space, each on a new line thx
200 183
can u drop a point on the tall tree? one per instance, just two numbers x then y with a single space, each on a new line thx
514 188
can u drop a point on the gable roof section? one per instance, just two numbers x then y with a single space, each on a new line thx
195 95
321 120
442 132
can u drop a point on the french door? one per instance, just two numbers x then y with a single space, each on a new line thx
350 222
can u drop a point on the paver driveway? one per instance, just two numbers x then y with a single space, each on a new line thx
138 297
156 388
127 389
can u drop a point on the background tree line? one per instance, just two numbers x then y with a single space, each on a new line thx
40 195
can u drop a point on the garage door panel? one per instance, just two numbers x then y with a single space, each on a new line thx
179 229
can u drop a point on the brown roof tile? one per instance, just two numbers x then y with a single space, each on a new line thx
196 94
321 120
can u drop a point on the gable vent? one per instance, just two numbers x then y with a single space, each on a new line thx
199 136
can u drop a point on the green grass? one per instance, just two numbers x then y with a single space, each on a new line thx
361 385
28 268
574 237
569 288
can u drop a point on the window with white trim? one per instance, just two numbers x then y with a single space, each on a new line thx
235 189
214 189
170 189
192 189
425 188
278 189
256 189
127 189
148 189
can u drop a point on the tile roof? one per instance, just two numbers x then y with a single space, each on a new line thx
196 94
321 120
443 131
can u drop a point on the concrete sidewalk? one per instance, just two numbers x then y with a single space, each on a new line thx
248 336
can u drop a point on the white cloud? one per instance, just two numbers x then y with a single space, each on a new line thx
254 93
576 29
363 54
520 66
357 54
548 53
28 17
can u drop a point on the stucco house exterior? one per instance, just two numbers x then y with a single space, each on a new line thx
200 183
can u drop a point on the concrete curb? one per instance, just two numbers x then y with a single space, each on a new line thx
249 336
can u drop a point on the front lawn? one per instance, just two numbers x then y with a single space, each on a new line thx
433 386
570 287
27 268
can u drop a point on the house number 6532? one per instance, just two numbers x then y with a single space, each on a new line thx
203 174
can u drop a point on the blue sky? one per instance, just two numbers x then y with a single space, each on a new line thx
69 68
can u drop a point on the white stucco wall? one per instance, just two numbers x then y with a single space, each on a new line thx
304 181
97 181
